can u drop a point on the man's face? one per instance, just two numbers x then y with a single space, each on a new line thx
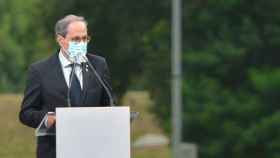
77 31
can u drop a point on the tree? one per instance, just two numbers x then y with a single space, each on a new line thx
21 39
231 72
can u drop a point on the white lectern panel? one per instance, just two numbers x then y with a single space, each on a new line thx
93 132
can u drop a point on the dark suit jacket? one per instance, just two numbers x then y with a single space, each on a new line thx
47 89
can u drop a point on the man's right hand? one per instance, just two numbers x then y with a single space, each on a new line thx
51 120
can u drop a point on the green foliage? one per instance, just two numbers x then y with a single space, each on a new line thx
231 77
21 41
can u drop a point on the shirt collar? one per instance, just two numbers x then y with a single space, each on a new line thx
66 62
63 60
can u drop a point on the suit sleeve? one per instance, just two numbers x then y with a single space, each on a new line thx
107 80
31 112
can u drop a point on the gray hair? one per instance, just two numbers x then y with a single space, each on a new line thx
61 25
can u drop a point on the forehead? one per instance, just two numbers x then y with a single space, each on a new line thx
76 28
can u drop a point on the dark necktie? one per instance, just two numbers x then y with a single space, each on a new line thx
75 89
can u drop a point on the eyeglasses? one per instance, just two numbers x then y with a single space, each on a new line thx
81 39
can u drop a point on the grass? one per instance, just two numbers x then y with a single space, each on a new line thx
146 123
17 140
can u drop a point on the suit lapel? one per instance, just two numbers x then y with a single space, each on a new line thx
90 81
59 77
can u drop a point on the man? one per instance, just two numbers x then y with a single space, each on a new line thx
48 81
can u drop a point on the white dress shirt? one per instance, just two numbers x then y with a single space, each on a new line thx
66 69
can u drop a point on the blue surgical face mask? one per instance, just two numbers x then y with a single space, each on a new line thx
76 50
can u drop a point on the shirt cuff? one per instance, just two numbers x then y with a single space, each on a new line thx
46 120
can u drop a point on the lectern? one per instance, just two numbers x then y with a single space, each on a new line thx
91 132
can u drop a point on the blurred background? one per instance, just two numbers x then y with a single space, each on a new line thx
231 73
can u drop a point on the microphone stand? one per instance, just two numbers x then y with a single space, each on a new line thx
133 115
101 81
70 83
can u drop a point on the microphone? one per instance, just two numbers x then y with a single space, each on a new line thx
74 61
70 82
102 82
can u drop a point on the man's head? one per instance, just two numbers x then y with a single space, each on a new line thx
71 28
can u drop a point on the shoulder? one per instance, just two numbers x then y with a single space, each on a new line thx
43 64
96 59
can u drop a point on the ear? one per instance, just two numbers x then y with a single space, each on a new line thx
59 40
